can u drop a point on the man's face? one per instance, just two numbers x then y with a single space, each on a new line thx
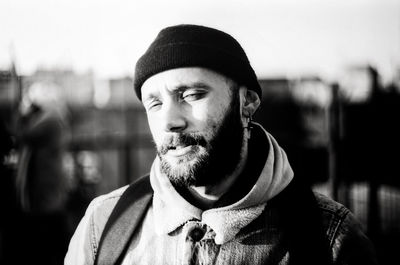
194 117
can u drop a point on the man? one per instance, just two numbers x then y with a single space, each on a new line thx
221 190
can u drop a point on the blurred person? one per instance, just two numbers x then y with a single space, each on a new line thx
42 132
84 183
221 189
41 183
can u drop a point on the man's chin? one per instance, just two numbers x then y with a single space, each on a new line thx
180 171
180 177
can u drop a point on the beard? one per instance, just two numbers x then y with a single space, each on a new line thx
209 161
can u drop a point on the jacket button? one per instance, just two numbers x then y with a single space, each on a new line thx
196 234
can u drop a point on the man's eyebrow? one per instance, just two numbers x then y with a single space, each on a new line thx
149 97
181 88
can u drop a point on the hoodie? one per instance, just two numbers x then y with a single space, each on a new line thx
171 210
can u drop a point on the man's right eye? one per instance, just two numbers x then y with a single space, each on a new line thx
153 105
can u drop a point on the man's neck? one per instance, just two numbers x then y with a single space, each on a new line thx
206 196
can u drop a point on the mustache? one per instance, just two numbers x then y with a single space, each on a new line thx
181 139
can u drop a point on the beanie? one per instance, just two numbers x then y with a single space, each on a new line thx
195 46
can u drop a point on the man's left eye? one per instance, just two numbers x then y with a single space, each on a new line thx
192 95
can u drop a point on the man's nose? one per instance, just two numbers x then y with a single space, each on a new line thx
174 118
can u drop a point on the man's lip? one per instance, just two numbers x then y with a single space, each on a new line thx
180 150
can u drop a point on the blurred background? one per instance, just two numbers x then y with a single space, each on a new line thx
72 128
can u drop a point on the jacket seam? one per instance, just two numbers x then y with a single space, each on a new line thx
336 229
93 237
337 218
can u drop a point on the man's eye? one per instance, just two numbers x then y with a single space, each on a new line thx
192 95
153 105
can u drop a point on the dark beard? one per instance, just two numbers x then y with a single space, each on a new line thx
216 161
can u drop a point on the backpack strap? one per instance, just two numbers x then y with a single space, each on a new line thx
126 216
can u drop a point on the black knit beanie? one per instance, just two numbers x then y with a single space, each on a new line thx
191 46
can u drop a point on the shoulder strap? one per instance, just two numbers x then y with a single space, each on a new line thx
123 221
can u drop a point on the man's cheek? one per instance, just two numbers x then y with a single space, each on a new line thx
199 115
157 137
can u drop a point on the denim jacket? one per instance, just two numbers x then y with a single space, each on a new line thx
252 230
261 242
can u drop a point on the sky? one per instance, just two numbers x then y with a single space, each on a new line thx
280 37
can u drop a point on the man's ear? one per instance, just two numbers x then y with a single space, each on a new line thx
250 101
